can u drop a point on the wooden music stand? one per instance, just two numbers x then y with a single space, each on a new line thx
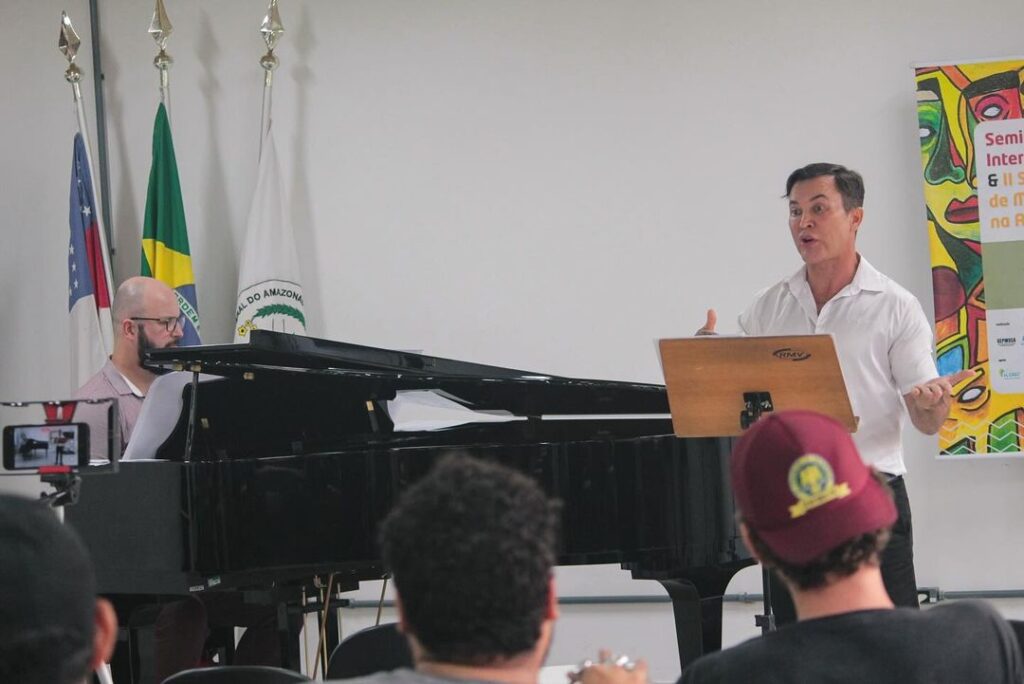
718 385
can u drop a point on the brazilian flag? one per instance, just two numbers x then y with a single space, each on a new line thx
165 253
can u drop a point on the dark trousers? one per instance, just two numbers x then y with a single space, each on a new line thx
897 563
182 628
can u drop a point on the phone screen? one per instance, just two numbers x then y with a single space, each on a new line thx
29 447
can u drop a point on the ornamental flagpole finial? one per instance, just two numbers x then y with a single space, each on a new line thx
271 28
68 43
160 27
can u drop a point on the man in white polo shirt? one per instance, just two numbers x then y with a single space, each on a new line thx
882 337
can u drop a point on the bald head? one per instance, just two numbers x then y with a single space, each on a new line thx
146 316
142 296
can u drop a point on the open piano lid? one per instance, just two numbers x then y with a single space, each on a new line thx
373 374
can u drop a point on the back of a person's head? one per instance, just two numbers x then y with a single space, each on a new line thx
471 548
811 507
47 597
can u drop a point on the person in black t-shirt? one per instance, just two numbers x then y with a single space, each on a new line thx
810 509
815 513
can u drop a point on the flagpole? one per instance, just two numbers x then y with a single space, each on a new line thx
270 295
160 28
68 43
271 28
101 124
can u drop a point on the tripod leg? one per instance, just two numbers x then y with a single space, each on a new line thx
103 674
766 621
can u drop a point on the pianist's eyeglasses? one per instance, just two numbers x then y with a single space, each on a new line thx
170 323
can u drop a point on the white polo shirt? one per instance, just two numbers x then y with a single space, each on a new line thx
884 344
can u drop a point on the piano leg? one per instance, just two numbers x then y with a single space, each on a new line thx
289 624
698 617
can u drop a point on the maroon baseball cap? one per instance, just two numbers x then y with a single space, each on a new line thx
801 485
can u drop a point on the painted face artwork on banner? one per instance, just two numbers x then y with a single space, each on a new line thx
952 101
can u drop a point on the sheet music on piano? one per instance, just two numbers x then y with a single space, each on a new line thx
159 414
430 410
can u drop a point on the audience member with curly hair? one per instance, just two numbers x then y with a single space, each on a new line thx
471 548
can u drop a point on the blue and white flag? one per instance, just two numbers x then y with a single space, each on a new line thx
88 282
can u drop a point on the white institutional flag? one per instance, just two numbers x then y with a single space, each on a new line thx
269 293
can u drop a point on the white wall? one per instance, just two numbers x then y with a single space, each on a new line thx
35 177
542 185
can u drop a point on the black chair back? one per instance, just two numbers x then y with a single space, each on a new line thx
1018 630
374 649
237 674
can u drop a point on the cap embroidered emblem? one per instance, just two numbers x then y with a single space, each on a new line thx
813 484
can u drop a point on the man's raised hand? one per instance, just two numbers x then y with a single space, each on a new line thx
929 403
709 325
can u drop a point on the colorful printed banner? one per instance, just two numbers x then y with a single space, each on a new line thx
974 193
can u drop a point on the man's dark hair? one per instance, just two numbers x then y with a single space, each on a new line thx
47 597
842 561
848 182
471 548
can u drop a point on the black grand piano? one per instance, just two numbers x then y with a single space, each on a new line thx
279 471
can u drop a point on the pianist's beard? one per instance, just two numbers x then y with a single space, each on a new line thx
145 344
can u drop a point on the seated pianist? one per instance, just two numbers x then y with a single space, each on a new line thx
146 316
